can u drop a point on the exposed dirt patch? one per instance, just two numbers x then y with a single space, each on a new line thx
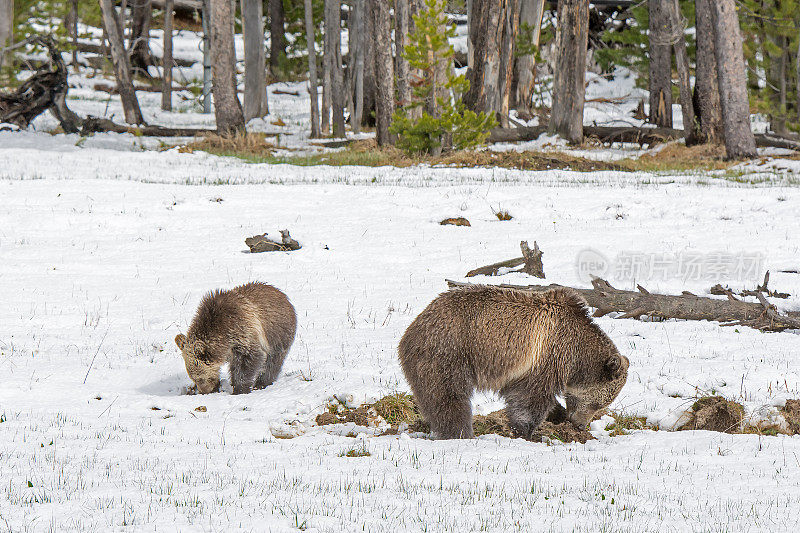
715 413
494 423
791 412
557 428
565 432
458 221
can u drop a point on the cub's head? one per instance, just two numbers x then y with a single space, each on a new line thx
201 370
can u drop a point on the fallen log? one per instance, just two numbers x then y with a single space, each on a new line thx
629 134
100 125
94 48
606 299
719 290
45 90
111 89
531 261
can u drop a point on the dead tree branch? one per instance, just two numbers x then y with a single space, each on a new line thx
606 299
531 261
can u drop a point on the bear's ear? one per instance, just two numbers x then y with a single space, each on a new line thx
614 366
180 341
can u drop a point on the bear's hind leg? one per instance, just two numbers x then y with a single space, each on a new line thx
272 367
245 367
451 418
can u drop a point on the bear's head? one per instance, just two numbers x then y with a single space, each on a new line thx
584 400
202 370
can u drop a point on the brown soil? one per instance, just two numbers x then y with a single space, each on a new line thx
715 413
458 221
791 412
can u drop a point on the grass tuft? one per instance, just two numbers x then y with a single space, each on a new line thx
398 408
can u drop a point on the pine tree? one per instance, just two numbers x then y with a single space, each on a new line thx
445 121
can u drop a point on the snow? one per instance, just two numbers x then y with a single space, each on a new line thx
107 245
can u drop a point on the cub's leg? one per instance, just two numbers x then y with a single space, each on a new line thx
527 405
272 367
245 366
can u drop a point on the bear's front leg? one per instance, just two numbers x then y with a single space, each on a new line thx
526 407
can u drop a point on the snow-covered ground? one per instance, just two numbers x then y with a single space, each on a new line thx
107 245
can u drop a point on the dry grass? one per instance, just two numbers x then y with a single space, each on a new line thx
398 408
677 156
240 144
625 423
502 214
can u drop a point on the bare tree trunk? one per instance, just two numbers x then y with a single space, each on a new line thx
227 109
706 86
357 62
6 27
312 69
776 85
72 29
530 18
333 56
255 67
797 76
369 85
402 22
569 89
739 139
166 95
660 63
493 32
470 36
327 70
277 36
140 35
384 71
682 64
122 67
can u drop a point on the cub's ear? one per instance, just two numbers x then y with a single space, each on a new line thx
180 341
614 366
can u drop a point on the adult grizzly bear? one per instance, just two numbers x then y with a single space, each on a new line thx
251 327
529 347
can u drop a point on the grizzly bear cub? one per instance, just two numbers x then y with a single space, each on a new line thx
251 327
527 346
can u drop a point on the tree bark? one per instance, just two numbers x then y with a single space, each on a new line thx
140 35
384 71
6 27
333 57
122 67
706 88
312 69
72 29
569 89
494 27
166 95
255 67
530 17
357 25
660 63
369 87
682 63
401 30
227 109
776 85
277 36
739 140
327 70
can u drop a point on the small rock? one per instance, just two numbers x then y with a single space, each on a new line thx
458 221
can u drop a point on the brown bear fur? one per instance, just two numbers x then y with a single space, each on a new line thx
251 327
529 347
